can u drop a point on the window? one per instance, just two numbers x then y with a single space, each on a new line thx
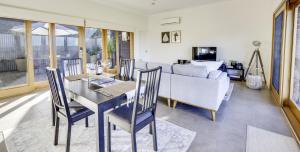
40 49
93 40
124 45
296 66
13 62
111 47
66 42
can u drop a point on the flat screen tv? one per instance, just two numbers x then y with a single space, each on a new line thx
205 53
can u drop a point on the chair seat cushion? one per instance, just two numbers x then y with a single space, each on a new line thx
74 104
122 116
80 114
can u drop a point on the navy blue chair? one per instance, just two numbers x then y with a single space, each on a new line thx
72 111
141 113
126 69
71 67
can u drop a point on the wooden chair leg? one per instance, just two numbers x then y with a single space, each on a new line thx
153 124
108 138
68 137
174 104
87 122
133 142
56 130
169 102
213 115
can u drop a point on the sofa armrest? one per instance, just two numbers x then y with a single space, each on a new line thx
201 92
223 86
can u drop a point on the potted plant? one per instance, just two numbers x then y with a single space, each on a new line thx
111 48
93 55
21 64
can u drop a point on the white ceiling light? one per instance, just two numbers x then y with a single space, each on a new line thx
153 2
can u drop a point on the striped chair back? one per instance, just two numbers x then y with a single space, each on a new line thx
126 69
59 98
148 82
71 66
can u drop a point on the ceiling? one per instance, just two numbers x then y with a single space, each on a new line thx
146 7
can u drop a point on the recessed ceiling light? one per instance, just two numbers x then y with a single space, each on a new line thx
153 2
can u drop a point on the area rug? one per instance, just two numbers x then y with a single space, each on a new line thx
259 140
37 136
2 143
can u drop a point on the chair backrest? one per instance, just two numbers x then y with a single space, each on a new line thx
126 69
71 66
148 82
56 85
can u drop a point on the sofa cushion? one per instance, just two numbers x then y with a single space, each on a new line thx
214 74
166 68
140 65
190 70
210 65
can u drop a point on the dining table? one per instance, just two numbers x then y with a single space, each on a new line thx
99 103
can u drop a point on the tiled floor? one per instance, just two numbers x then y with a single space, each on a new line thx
227 134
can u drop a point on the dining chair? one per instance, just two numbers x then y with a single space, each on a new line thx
71 66
141 112
126 69
72 111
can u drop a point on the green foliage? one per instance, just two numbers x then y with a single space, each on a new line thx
111 48
93 51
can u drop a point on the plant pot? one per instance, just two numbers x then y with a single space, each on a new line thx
93 59
21 65
109 64
254 82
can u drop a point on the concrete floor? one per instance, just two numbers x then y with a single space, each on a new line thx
227 134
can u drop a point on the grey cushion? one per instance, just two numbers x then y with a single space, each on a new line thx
190 70
122 116
166 68
141 65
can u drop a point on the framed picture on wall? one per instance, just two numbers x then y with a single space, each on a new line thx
176 36
165 37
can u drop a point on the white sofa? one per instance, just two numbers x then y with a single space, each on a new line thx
165 82
191 84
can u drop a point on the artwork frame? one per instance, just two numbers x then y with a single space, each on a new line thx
176 36
165 37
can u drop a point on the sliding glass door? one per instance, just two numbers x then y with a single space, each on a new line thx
13 59
295 93
111 48
93 42
277 58
124 45
67 39
40 49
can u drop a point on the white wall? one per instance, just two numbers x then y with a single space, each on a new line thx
230 25
81 9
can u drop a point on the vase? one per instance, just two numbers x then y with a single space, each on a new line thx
93 59
21 65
